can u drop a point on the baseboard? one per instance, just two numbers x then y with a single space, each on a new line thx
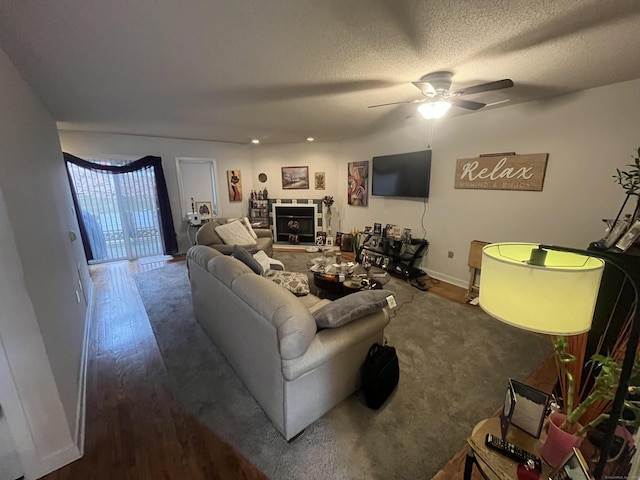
446 278
81 406
35 466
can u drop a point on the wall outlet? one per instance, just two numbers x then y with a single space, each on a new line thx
450 254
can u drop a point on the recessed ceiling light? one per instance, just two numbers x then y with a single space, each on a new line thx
310 139
255 141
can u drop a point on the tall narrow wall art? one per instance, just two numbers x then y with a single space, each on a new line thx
358 183
234 179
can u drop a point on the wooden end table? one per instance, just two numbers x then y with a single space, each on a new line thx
494 464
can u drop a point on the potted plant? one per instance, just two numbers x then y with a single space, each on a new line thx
565 431
629 180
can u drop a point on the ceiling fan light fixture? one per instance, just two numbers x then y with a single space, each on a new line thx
433 110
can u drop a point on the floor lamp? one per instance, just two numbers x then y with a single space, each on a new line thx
553 290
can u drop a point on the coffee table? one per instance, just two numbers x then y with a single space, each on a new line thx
345 278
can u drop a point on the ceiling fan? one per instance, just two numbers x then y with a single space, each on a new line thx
438 98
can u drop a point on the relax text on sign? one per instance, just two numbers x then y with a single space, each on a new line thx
502 172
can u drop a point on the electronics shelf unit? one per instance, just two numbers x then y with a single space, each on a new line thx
398 257
259 213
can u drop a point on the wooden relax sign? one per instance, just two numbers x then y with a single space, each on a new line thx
502 172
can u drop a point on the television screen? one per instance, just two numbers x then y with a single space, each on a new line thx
402 175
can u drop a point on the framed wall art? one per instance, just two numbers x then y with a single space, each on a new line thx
358 188
295 178
319 180
234 180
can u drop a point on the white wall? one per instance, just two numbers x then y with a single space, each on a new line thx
227 156
587 136
42 324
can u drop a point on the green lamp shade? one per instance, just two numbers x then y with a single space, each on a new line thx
556 298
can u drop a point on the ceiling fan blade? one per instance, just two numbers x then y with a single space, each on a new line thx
396 103
498 102
468 104
425 87
484 87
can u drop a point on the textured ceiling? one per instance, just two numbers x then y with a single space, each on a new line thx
281 70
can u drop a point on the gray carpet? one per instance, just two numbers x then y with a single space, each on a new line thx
454 365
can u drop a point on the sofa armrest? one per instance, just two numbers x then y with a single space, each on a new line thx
330 342
262 232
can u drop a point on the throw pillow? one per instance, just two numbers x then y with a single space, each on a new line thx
235 233
245 257
349 308
297 283
263 259
247 224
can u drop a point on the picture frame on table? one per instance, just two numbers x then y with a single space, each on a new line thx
629 237
205 209
530 408
346 244
573 467
377 229
614 232
391 231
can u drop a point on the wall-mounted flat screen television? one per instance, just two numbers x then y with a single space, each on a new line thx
402 175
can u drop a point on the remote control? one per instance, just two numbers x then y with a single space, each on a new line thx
510 450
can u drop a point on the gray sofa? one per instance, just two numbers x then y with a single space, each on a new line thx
206 235
295 372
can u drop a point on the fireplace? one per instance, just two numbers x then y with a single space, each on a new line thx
286 215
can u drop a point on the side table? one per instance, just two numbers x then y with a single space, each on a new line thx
495 464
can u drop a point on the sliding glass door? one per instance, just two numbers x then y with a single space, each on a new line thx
120 212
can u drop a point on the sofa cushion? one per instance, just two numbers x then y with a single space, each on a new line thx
349 308
227 269
202 254
293 322
313 303
206 234
246 257
297 283
235 233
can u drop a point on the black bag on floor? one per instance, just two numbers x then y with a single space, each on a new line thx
380 374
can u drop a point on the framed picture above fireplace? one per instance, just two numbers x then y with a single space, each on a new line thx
295 178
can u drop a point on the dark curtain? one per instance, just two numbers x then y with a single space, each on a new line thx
169 241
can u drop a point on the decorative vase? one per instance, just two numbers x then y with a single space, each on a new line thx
559 443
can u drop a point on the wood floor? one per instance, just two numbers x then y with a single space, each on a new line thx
135 428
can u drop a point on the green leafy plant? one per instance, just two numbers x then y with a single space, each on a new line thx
629 180
604 387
